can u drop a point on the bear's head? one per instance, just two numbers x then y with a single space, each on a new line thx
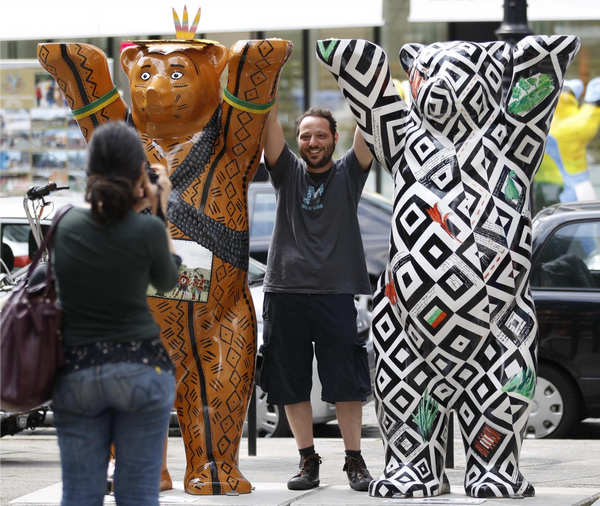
450 79
175 87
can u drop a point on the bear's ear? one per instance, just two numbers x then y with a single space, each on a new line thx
408 54
212 59
217 56
129 56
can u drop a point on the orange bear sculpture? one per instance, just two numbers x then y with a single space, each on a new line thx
211 144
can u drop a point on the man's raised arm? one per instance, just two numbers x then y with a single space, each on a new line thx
274 139
361 150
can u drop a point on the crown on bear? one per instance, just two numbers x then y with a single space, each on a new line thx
181 28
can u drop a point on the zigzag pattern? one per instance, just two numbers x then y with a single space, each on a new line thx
462 334
89 71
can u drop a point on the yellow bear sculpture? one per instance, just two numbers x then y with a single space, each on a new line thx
211 144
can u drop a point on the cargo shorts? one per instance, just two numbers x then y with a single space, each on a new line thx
298 326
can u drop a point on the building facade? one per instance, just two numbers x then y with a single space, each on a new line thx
304 83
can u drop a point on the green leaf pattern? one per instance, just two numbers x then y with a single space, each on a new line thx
522 383
529 92
511 191
425 416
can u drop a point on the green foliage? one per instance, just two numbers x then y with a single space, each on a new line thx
425 416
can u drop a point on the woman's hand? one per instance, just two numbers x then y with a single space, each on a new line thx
164 183
148 195
154 194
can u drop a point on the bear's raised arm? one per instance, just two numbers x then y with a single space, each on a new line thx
81 72
539 66
253 75
363 75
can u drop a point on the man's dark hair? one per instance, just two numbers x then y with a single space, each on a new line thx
319 113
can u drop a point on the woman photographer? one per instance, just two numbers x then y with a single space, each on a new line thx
118 384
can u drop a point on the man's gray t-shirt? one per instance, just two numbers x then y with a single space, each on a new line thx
316 245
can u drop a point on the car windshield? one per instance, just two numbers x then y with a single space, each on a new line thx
17 233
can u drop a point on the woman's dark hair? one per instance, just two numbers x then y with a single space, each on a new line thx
115 157
319 113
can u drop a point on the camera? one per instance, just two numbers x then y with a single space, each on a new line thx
153 177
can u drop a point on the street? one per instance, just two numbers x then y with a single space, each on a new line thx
29 461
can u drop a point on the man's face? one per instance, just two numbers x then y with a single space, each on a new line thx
316 143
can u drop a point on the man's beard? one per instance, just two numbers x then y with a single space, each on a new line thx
324 160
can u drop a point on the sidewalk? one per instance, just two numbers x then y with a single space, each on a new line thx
564 472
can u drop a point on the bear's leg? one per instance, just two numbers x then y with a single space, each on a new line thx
413 423
492 423
165 478
214 354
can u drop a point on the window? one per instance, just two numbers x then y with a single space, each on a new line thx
263 215
15 245
570 258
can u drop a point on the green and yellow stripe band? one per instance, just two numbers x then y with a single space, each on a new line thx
96 105
238 103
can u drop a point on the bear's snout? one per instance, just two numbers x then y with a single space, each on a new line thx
438 101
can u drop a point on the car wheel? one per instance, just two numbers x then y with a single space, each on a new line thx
270 419
555 408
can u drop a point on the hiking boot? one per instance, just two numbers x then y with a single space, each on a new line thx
358 474
308 477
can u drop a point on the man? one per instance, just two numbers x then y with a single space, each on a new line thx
315 266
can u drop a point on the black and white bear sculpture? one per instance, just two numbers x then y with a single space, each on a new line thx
454 322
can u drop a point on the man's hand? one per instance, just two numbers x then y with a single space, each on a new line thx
361 150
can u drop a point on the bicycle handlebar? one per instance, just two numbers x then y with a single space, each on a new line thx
39 192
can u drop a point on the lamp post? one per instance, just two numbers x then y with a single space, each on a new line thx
514 24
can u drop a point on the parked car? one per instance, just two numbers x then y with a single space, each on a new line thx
565 283
374 217
18 244
270 420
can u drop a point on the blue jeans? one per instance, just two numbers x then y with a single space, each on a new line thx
127 404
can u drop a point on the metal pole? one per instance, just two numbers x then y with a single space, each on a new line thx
450 442
378 168
306 61
252 424
514 25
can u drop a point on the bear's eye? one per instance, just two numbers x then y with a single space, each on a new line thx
145 76
176 75
418 71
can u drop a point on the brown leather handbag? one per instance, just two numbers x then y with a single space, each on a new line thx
31 348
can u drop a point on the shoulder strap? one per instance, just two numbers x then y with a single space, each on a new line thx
48 241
